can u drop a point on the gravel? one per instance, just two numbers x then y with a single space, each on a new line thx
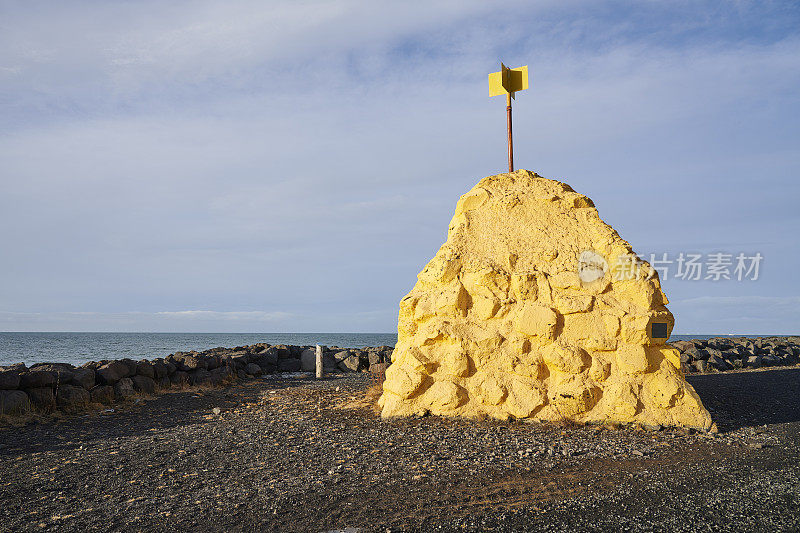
289 453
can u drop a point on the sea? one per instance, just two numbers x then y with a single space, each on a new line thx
78 348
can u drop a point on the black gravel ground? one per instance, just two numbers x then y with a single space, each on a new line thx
294 454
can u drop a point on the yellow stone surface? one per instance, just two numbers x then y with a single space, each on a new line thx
526 312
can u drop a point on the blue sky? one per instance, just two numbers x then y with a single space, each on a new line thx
291 166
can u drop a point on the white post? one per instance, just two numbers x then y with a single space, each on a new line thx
320 371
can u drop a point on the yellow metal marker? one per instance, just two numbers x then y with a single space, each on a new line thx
508 81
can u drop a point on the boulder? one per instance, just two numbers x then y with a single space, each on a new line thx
163 382
253 369
83 377
695 353
242 360
273 354
289 365
10 378
102 394
14 402
112 372
308 360
145 368
144 384
199 376
72 396
351 363
123 389
42 398
220 375
718 363
754 361
191 363
375 358
268 361
35 379
681 345
283 351
534 308
63 371
179 377
771 360
131 365
160 369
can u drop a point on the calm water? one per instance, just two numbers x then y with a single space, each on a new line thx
77 348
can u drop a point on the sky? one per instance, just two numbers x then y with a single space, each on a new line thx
252 166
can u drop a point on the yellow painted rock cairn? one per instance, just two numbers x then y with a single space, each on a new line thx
536 309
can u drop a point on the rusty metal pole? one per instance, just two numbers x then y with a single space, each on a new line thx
510 137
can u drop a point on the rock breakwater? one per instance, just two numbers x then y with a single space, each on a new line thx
45 387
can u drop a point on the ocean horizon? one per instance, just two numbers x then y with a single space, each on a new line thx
79 347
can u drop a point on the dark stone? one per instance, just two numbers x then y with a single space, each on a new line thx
72 396
296 351
289 365
308 360
179 377
268 360
341 355
160 369
124 389
35 379
329 363
112 372
241 360
10 379
212 361
378 368
193 363
718 363
145 368
171 367
374 358
351 363
144 384
199 376
220 375
701 366
14 402
102 394
754 361
130 364
42 398
83 377
280 351
731 355
770 360
163 382
681 345
253 369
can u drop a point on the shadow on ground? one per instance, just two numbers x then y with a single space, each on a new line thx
173 408
743 399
